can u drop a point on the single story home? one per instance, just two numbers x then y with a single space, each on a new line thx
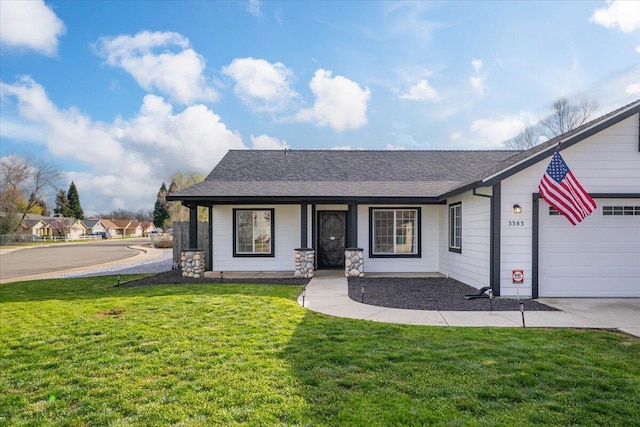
36 227
95 226
476 216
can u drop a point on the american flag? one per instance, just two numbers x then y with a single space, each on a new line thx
563 191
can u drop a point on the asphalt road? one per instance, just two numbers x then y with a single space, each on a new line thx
60 257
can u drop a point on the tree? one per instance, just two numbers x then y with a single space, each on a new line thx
74 202
160 211
21 176
62 205
179 181
565 117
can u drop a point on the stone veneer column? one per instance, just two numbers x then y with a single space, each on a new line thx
304 260
354 262
192 263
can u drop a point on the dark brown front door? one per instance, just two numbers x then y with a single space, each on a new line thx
332 231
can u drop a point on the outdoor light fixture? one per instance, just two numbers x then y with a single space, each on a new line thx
522 312
362 295
490 292
517 209
304 294
222 277
118 280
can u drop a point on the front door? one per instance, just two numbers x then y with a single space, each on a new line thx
332 231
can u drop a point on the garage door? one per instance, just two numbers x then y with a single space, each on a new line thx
600 257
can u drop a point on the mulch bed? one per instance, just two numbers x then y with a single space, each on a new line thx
431 293
427 293
174 277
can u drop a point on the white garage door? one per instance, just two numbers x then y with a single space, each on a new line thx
599 257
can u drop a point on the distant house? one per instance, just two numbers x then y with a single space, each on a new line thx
476 216
147 227
35 227
95 226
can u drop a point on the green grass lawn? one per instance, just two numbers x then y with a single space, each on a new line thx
77 352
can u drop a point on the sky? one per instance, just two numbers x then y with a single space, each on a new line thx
120 95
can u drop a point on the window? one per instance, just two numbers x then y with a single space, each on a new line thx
553 211
455 227
394 232
253 232
620 210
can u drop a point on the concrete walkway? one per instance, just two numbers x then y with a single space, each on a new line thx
328 295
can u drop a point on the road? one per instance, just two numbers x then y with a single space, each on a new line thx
54 258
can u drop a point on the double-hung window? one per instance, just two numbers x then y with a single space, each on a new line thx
455 227
394 232
253 232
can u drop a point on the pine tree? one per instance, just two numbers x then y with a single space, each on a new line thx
160 211
62 205
74 202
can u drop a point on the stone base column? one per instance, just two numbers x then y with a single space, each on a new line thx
304 261
192 263
354 262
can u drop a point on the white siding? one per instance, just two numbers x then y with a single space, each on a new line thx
607 162
428 262
471 266
286 239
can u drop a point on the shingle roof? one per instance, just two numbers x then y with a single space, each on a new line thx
324 173
372 174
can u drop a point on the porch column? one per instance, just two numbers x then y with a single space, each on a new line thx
303 224
193 227
352 225
210 257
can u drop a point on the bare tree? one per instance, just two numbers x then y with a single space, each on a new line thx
565 117
22 176
529 137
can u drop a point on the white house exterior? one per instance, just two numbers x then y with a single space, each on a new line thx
448 212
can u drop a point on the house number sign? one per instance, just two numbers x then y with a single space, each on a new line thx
515 223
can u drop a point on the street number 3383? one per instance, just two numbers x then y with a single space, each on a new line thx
516 223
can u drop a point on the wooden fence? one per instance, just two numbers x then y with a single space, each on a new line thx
181 241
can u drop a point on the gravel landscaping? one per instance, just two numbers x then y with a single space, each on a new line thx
427 293
431 293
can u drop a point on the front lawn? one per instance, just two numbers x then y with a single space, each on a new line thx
81 352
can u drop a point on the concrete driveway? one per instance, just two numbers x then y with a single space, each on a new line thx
618 313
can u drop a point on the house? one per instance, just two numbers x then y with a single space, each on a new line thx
95 226
148 228
70 228
36 227
475 216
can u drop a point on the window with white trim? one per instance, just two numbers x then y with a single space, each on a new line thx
253 232
394 232
455 227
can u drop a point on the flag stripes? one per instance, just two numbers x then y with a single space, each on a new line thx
560 188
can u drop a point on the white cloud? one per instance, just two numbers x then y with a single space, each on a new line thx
262 86
492 132
253 7
128 158
638 49
346 147
622 14
31 25
633 89
478 81
177 73
340 103
392 147
421 91
455 136
266 142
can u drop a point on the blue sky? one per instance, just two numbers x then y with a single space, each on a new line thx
120 95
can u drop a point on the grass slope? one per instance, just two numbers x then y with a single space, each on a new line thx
80 352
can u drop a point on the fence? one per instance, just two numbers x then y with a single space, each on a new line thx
181 241
17 239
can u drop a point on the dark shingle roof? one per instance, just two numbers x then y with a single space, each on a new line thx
373 174
333 173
